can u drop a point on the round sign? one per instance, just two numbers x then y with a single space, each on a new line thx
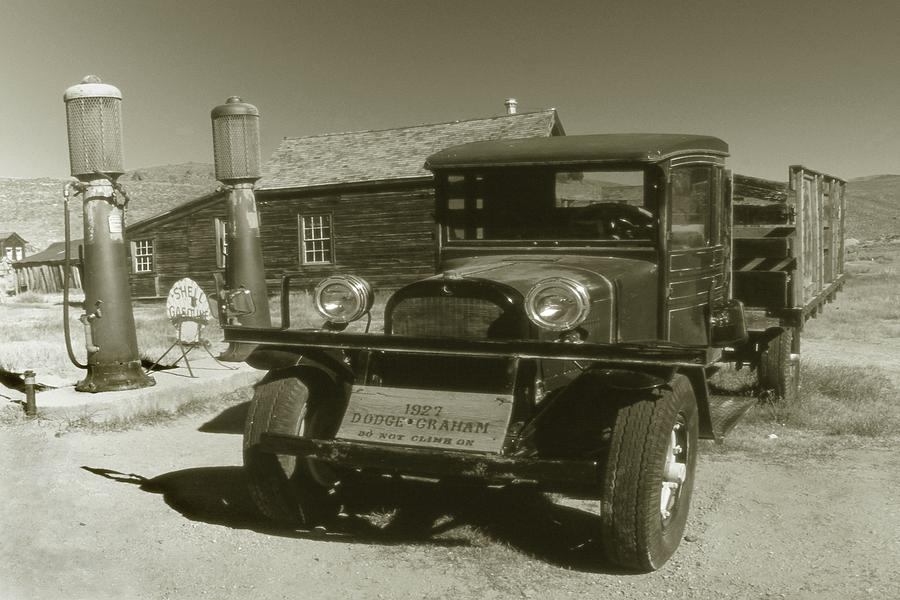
186 301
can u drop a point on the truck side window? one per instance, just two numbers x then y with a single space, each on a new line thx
691 190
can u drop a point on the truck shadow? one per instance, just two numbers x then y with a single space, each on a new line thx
229 421
396 514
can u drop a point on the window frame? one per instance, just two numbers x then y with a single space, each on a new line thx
709 235
468 183
327 249
135 256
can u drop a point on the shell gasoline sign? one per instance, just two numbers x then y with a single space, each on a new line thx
187 300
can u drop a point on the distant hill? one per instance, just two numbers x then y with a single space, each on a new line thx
873 207
33 208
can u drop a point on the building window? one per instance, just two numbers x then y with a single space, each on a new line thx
20 253
142 256
221 242
9 252
316 242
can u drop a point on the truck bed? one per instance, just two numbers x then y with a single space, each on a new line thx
788 240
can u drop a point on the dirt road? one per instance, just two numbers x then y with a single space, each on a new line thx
163 513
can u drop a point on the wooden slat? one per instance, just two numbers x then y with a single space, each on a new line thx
751 264
773 247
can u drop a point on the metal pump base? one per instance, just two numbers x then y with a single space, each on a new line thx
113 377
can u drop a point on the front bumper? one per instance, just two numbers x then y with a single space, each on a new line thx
655 354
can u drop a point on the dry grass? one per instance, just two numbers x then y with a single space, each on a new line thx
835 400
869 306
86 422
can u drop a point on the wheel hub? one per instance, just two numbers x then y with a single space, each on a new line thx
674 471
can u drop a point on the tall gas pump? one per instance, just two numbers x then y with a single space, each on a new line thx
94 120
235 128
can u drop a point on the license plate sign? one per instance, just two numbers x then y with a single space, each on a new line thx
424 418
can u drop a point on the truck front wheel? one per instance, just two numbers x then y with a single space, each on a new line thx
649 476
288 489
779 370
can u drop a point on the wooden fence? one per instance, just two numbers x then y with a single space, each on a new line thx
47 278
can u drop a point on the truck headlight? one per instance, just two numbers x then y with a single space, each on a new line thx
557 304
343 298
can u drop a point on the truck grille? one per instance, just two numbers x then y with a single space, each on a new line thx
449 316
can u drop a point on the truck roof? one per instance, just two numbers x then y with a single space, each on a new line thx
576 149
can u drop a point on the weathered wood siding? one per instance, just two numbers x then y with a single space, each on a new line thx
384 234
184 245
47 278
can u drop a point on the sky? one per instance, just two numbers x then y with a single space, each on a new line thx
782 82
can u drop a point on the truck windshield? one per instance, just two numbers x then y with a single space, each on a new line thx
545 205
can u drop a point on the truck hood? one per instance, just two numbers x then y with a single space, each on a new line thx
624 291
522 272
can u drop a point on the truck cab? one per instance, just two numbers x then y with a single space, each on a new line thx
582 294
638 219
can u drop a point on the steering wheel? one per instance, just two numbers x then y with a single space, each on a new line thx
622 221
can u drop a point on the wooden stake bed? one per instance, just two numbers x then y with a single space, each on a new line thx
788 242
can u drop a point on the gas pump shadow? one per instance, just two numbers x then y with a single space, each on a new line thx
411 513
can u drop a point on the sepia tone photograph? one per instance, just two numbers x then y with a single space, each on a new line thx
420 299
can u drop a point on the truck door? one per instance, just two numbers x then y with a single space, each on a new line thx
695 256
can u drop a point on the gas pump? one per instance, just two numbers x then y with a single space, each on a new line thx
94 122
235 127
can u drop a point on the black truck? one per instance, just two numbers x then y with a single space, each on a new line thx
587 287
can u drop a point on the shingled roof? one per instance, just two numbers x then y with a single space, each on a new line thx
389 154
52 254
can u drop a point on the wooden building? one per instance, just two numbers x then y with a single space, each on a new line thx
12 245
44 272
358 202
186 241
8 281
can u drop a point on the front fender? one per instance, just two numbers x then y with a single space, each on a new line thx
633 379
329 362
575 419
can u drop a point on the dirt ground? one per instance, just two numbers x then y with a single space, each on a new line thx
163 512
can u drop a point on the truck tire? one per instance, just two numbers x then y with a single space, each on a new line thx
290 490
649 476
778 372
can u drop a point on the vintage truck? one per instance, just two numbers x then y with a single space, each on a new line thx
586 288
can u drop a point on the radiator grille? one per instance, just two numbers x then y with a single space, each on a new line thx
448 316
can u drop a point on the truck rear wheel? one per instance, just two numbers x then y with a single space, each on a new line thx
288 489
779 370
649 476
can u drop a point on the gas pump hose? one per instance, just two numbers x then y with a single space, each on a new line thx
78 187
